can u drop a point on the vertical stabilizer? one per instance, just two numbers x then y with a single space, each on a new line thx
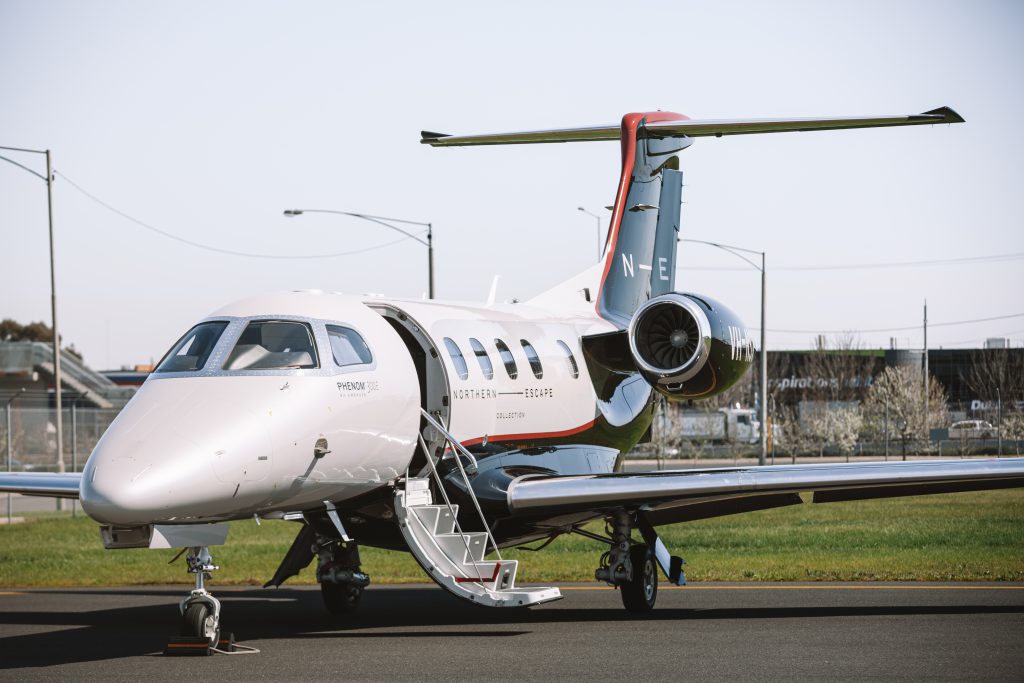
640 252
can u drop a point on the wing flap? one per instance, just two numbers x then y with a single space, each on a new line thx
704 489
48 484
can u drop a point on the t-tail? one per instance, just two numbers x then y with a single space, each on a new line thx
640 251
639 255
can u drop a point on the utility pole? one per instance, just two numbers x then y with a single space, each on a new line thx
887 427
56 336
999 421
764 371
53 297
927 434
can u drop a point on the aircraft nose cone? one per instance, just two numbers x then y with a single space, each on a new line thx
144 484
174 455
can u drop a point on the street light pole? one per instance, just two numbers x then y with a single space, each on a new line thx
763 412
764 369
384 220
10 444
53 298
598 219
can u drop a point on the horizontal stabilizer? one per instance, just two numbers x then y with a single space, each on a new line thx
694 128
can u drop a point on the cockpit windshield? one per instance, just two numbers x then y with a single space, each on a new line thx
194 349
273 345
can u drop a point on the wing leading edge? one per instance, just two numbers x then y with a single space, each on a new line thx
51 485
681 495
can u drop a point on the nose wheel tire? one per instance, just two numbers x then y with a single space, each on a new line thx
640 594
199 622
340 598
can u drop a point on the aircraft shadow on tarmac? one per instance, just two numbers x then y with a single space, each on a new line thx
259 615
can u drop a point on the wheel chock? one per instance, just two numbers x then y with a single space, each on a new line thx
188 646
226 643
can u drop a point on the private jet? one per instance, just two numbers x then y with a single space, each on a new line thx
455 430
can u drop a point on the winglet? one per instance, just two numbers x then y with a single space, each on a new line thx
947 114
426 136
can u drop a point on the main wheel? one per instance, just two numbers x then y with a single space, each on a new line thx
640 594
198 622
340 598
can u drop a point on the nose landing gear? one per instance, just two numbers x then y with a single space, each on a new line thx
200 611
339 574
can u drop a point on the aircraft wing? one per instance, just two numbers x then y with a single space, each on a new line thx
47 484
682 495
694 128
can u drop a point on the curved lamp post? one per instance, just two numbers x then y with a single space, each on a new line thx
386 222
53 296
598 219
735 251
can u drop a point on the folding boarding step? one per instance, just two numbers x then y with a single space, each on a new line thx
455 560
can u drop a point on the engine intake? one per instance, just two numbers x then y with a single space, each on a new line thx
670 338
689 347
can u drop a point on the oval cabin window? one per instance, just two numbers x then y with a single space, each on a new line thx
457 359
531 355
507 359
481 356
571 359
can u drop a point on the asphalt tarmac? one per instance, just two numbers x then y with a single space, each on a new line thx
702 631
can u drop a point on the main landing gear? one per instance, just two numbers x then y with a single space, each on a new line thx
632 567
200 611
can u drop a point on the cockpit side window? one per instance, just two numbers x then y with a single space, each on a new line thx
348 346
457 359
194 349
273 345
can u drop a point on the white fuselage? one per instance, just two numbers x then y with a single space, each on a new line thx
215 443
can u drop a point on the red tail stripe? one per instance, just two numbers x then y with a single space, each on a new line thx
630 123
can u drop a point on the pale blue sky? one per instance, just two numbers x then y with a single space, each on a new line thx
208 119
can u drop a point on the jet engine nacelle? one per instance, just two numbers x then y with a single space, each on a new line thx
689 346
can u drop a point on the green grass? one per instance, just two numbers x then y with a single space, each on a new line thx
954 537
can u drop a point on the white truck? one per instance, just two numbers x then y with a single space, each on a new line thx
723 425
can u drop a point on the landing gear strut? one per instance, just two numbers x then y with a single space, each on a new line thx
200 611
629 566
337 570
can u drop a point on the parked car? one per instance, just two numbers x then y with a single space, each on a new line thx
972 429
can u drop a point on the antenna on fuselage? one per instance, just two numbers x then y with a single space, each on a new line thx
493 294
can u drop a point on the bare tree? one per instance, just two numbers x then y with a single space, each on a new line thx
991 369
898 391
1013 429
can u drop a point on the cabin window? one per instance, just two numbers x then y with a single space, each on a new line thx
481 356
274 345
507 359
743 419
192 351
531 355
348 346
573 368
457 359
